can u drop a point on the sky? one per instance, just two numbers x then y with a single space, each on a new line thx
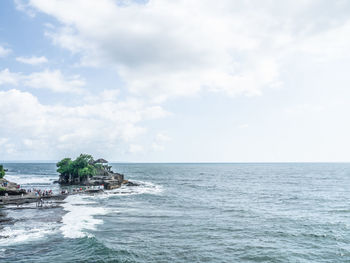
175 81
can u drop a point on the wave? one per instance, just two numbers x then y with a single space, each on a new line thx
82 209
30 179
80 217
142 188
22 233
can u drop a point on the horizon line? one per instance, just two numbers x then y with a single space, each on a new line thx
189 162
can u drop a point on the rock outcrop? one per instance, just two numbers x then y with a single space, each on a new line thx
103 176
10 188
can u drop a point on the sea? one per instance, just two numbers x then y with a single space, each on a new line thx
231 212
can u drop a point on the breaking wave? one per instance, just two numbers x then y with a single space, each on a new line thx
23 232
80 216
29 179
82 209
142 188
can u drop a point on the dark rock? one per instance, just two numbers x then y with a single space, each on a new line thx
13 192
131 184
10 188
93 191
5 220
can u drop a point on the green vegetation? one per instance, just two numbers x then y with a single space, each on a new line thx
2 171
80 169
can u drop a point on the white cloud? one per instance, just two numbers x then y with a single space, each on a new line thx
157 147
329 45
104 95
54 81
159 141
7 77
243 126
4 51
32 60
23 6
135 148
164 48
305 109
9 148
100 127
28 142
3 141
161 137
48 79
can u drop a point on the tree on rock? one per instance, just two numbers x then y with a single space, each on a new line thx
2 171
78 170
65 168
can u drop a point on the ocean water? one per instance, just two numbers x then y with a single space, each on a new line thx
188 213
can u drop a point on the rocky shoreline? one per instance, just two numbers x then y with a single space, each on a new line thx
10 188
102 179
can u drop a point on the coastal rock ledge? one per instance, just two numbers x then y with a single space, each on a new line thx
86 171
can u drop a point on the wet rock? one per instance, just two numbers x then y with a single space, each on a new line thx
131 184
5 220
10 188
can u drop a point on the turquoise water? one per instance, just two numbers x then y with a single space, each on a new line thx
189 213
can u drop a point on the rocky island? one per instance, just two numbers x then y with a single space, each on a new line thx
85 171
7 187
85 174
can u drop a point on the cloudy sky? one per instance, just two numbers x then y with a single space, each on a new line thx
175 81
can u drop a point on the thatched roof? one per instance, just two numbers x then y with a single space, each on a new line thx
100 161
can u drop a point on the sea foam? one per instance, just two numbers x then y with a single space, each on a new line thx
80 216
22 233
82 209
142 188
29 179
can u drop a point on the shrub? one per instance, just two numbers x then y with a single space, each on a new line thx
2 172
82 166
